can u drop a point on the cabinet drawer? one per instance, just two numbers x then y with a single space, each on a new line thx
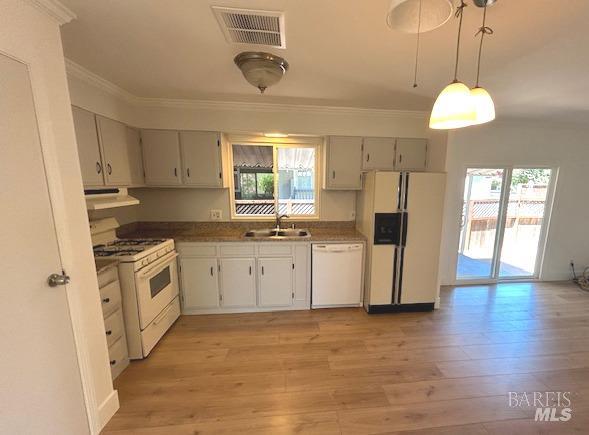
274 249
108 276
110 297
113 327
156 329
196 250
118 357
237 250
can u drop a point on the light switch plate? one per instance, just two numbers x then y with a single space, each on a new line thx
215 215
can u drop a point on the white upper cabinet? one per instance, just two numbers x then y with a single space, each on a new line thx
135 156
88 148
238 282
115 152
161 157
343 163
276 289
201 158
411 155
378 153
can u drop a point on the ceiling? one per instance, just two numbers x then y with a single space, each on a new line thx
341 53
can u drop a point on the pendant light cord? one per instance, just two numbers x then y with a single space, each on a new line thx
483 30
459 14
417 47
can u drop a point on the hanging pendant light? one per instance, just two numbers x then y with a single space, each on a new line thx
483 103
454 106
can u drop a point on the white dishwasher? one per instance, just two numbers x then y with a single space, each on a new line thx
336 275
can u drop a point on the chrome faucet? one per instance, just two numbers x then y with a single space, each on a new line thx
278 219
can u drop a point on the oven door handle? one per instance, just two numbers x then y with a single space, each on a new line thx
163 261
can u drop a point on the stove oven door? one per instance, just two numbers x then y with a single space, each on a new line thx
157 285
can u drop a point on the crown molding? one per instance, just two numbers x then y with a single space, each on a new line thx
83 74
77 71
55 9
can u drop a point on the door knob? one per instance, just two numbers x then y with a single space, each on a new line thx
56 279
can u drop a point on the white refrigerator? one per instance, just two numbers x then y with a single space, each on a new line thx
400 213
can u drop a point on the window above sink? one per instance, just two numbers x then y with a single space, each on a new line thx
273 177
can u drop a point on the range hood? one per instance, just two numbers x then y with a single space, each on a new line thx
101 199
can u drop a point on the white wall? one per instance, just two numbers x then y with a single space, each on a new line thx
29 34
524 143
95 94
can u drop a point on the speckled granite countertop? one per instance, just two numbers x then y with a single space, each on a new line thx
234 231
103 264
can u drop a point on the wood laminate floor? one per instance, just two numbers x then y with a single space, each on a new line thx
341 371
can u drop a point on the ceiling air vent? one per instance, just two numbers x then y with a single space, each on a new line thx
246 26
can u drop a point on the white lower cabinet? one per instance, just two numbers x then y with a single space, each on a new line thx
276 288
238 282
244 277
200 283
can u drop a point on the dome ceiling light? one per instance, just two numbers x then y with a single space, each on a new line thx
260 69
418 16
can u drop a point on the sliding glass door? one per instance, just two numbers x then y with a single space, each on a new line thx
503 223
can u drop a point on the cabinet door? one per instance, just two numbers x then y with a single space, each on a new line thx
88 147
135 156
276 289
201 158
343 163
238 283
115 153
161 157
200 283
378 153
411 154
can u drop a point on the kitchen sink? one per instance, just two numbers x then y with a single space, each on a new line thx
274 233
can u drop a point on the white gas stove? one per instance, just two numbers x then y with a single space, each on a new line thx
149 283
142 251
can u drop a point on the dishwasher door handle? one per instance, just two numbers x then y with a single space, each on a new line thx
336 248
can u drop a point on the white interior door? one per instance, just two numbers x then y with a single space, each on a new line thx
40 386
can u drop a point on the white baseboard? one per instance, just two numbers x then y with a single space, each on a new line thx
108 408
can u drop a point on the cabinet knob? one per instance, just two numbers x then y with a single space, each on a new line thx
333 174
106 300
188 172
368 157
109 168
211 270
98 168
113 362
175 172
108 332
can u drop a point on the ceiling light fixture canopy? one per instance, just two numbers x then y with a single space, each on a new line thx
418 16
261 69
454 106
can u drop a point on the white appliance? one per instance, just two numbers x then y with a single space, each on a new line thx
400 213
149 284
336 275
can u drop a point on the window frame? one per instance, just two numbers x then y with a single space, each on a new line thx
275 144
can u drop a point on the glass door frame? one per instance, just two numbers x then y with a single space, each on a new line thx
502 220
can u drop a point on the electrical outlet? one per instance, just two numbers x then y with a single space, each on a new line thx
353 214
215 215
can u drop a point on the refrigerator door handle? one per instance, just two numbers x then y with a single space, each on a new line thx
404 223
